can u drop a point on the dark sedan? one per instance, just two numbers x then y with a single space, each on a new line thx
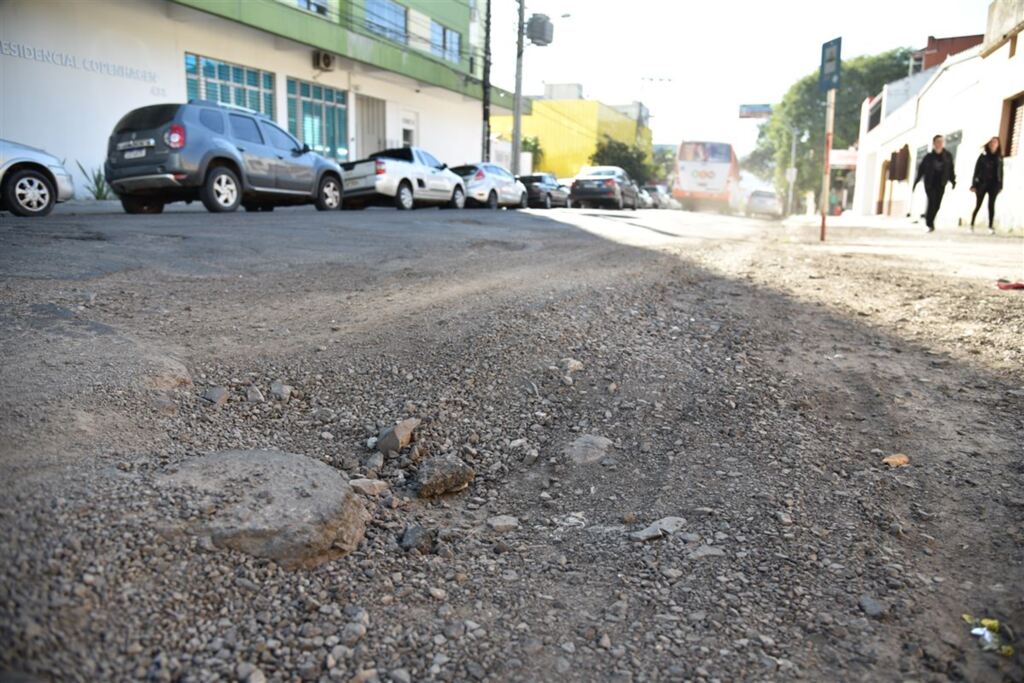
604 186
544 191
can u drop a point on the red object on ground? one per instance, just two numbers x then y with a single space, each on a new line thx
1010 285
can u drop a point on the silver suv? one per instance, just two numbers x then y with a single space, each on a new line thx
224 156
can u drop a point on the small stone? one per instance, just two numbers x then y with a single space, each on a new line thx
369 487
281 391
784 518
671 573
216 396
416 538
253 394
571 365
705 551
352 633
443 474
400 676
502 523
437 593
629 518
394 439
605 642
873 608
588 449
663 527
374 462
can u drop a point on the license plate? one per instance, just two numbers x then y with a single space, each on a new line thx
135 154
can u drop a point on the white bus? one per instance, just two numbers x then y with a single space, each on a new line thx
707 176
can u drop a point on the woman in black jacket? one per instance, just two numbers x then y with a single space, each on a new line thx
988 179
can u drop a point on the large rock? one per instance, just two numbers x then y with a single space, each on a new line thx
588 449
286 507
443 474
398 437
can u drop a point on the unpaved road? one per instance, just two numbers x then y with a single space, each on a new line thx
749 378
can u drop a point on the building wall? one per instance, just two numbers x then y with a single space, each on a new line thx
69 70
966 94
569 130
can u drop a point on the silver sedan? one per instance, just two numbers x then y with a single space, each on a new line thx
31 181
491 185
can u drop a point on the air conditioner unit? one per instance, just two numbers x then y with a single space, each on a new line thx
323 60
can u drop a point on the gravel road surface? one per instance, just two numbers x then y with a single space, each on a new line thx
663 435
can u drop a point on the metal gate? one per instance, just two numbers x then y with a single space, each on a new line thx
370 120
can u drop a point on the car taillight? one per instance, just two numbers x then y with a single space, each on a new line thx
381 167
480 175
175 136
610 184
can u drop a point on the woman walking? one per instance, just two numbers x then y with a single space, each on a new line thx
988 179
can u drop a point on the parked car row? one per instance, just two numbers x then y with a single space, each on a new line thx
229 157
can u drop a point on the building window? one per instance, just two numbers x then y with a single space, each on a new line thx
314 6
212 79
444 42
1014 112
318 117
387 18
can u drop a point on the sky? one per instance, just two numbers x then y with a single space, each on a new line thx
693 63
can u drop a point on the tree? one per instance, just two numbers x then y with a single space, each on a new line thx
802 113
532 145
630 158
664 164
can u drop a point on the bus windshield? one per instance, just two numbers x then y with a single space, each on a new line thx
716 152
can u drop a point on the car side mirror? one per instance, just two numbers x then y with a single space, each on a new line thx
442 167
304 149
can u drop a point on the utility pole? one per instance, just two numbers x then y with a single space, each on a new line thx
486 155
791 172
830 115
517 104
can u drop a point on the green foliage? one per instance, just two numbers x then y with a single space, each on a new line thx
630 158
664 165
802 112
532 145
96 183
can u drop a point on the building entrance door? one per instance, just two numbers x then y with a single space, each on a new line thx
370 120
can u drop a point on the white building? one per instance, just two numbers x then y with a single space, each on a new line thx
402 73
969 98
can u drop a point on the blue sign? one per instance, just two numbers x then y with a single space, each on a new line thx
828 78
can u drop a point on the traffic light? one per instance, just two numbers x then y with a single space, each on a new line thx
540 30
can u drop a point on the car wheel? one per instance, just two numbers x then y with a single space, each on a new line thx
524 201
404 199
328 196
492 200
221 193
621 204
547 201
636 200
29 193
141 205
458 200
251 208
568 203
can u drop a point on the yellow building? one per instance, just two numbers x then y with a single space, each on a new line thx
569 129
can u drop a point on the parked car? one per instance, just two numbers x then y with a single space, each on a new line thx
405 177
765 203
604 186
491 185
544 191
646 202
658 196
31 180
225 156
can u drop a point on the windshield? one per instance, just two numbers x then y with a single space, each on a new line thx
601 172
400 154
464 170
146 118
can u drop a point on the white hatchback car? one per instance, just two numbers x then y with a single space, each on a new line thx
31 181
491 185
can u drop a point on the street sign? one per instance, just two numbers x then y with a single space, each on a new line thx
791 174
828 78
755 111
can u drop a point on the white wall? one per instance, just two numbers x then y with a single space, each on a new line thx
965 94
74 84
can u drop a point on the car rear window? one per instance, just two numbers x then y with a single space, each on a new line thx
245 129
464 170
212 120
399 154
533 179
146 118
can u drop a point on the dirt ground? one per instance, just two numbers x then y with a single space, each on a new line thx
749 378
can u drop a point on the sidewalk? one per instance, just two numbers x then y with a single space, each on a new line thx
851 220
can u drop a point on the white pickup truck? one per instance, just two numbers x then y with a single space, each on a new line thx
406 177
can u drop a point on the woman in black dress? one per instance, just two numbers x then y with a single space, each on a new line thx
988 179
